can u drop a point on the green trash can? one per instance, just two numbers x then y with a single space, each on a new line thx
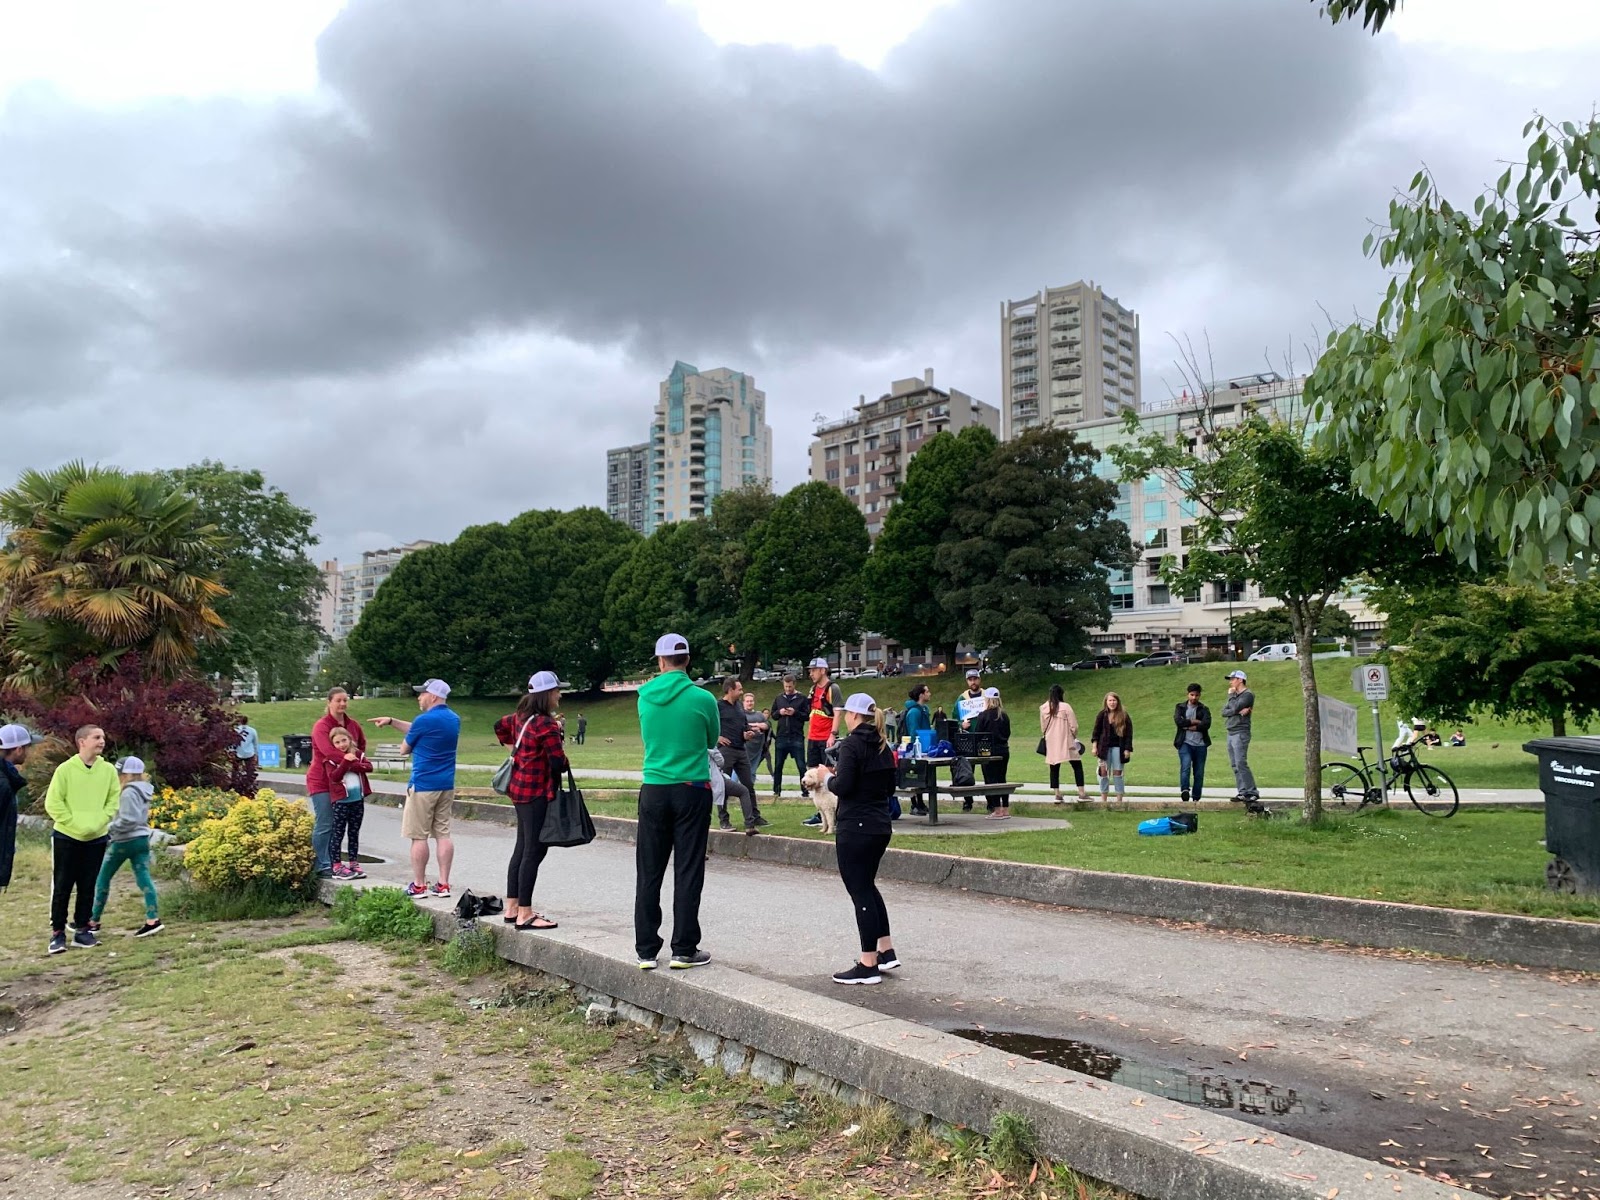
1569 777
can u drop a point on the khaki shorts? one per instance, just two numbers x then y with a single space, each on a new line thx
426 814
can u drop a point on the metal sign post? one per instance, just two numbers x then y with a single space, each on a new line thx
1372 681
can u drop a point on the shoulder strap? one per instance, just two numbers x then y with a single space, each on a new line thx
517 744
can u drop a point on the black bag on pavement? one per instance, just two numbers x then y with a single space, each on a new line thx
567 821
961 773
470 907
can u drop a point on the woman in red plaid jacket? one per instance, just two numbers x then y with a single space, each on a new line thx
537 762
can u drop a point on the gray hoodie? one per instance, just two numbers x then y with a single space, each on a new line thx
133 812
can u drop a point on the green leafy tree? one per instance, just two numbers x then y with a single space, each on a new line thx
1272 625
1025 574
899 577
1517 652
273 585
497 603
1271 510
340 668
1470 407
97 563
722 563
656 590
802 593
1371 13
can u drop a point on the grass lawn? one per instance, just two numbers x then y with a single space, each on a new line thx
231 1058
1489 860
1492 758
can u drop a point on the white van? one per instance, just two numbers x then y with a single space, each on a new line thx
1277 652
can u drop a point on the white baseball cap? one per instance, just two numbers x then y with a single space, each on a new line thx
860 702
974 673
991 693
670 645
131 766
543 681
434 687
817 662
14 737
1237 675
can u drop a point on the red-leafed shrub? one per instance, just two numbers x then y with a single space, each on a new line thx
180 727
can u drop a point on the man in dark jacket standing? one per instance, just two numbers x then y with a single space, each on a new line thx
734 737
1193 741
791 713
14 743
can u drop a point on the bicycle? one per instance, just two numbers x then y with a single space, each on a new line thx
1431 791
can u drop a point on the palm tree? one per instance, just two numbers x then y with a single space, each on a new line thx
97 563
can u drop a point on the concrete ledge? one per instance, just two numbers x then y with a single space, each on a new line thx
780 1034
1457 933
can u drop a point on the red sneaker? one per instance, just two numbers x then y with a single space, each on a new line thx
440 889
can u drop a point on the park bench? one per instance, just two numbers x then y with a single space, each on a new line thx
388 758
930 795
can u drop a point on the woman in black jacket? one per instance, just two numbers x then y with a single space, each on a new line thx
994 721
864 782
1113 744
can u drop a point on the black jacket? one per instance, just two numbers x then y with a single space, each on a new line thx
791 728
1104 737
864 782
997 724
11 787
732 720
1202 714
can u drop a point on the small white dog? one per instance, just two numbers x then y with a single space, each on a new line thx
817 791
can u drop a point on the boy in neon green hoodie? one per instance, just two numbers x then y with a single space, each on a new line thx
81 801
678 722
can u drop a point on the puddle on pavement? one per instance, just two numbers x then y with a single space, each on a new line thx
1203 1089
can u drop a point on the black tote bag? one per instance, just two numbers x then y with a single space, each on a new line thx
567 821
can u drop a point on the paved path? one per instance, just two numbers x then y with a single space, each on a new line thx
1474 1068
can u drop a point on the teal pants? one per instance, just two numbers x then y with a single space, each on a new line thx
136 853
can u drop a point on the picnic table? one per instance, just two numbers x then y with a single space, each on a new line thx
919 779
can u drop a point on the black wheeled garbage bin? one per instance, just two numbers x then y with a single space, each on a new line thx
1569 776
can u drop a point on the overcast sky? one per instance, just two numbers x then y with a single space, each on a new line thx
423 261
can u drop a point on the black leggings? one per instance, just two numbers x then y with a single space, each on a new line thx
859 856
528 853
994 771
347 815
1077 774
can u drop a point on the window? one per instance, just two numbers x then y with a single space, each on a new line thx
1189 535
1121 597
1152 568
1155 539
1118 576
1154 485
1192 596
1160 597
1187 509
1155 512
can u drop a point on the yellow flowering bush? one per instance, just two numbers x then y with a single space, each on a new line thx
261 841
182 811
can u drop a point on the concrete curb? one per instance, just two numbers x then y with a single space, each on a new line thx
1544 942
780 1035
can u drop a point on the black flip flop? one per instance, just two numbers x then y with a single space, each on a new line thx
538 928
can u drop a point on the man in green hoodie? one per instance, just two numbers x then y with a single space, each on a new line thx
679 725
81 801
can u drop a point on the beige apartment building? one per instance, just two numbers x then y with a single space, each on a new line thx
1067 355
709 435
349 588
865 454
628 485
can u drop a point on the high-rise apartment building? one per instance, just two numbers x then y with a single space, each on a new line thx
1067 355
709 435
628 485
328 602
865 454
359 582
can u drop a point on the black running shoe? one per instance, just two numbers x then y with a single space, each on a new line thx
888 960
148 928
58 943
723 822
761 821
682 962
859 972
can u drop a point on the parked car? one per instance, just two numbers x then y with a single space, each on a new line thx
870 673
1277 652
1163 658
1100 662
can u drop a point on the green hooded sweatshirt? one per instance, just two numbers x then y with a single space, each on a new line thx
678 722
83 799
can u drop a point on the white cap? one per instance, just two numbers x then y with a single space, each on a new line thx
131 766
670 645
13 737
991 693
817 662
1237 675
434 687
543 681
974 673
860 702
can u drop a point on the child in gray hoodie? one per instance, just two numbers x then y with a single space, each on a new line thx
130 843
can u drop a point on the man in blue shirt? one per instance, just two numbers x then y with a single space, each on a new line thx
243 775
431 742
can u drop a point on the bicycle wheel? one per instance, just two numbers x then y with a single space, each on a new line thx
1344 785
1432 792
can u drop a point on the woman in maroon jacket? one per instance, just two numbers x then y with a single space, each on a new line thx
1113 745
537 761
322 749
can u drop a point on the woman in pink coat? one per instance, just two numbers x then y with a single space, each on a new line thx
1059 725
